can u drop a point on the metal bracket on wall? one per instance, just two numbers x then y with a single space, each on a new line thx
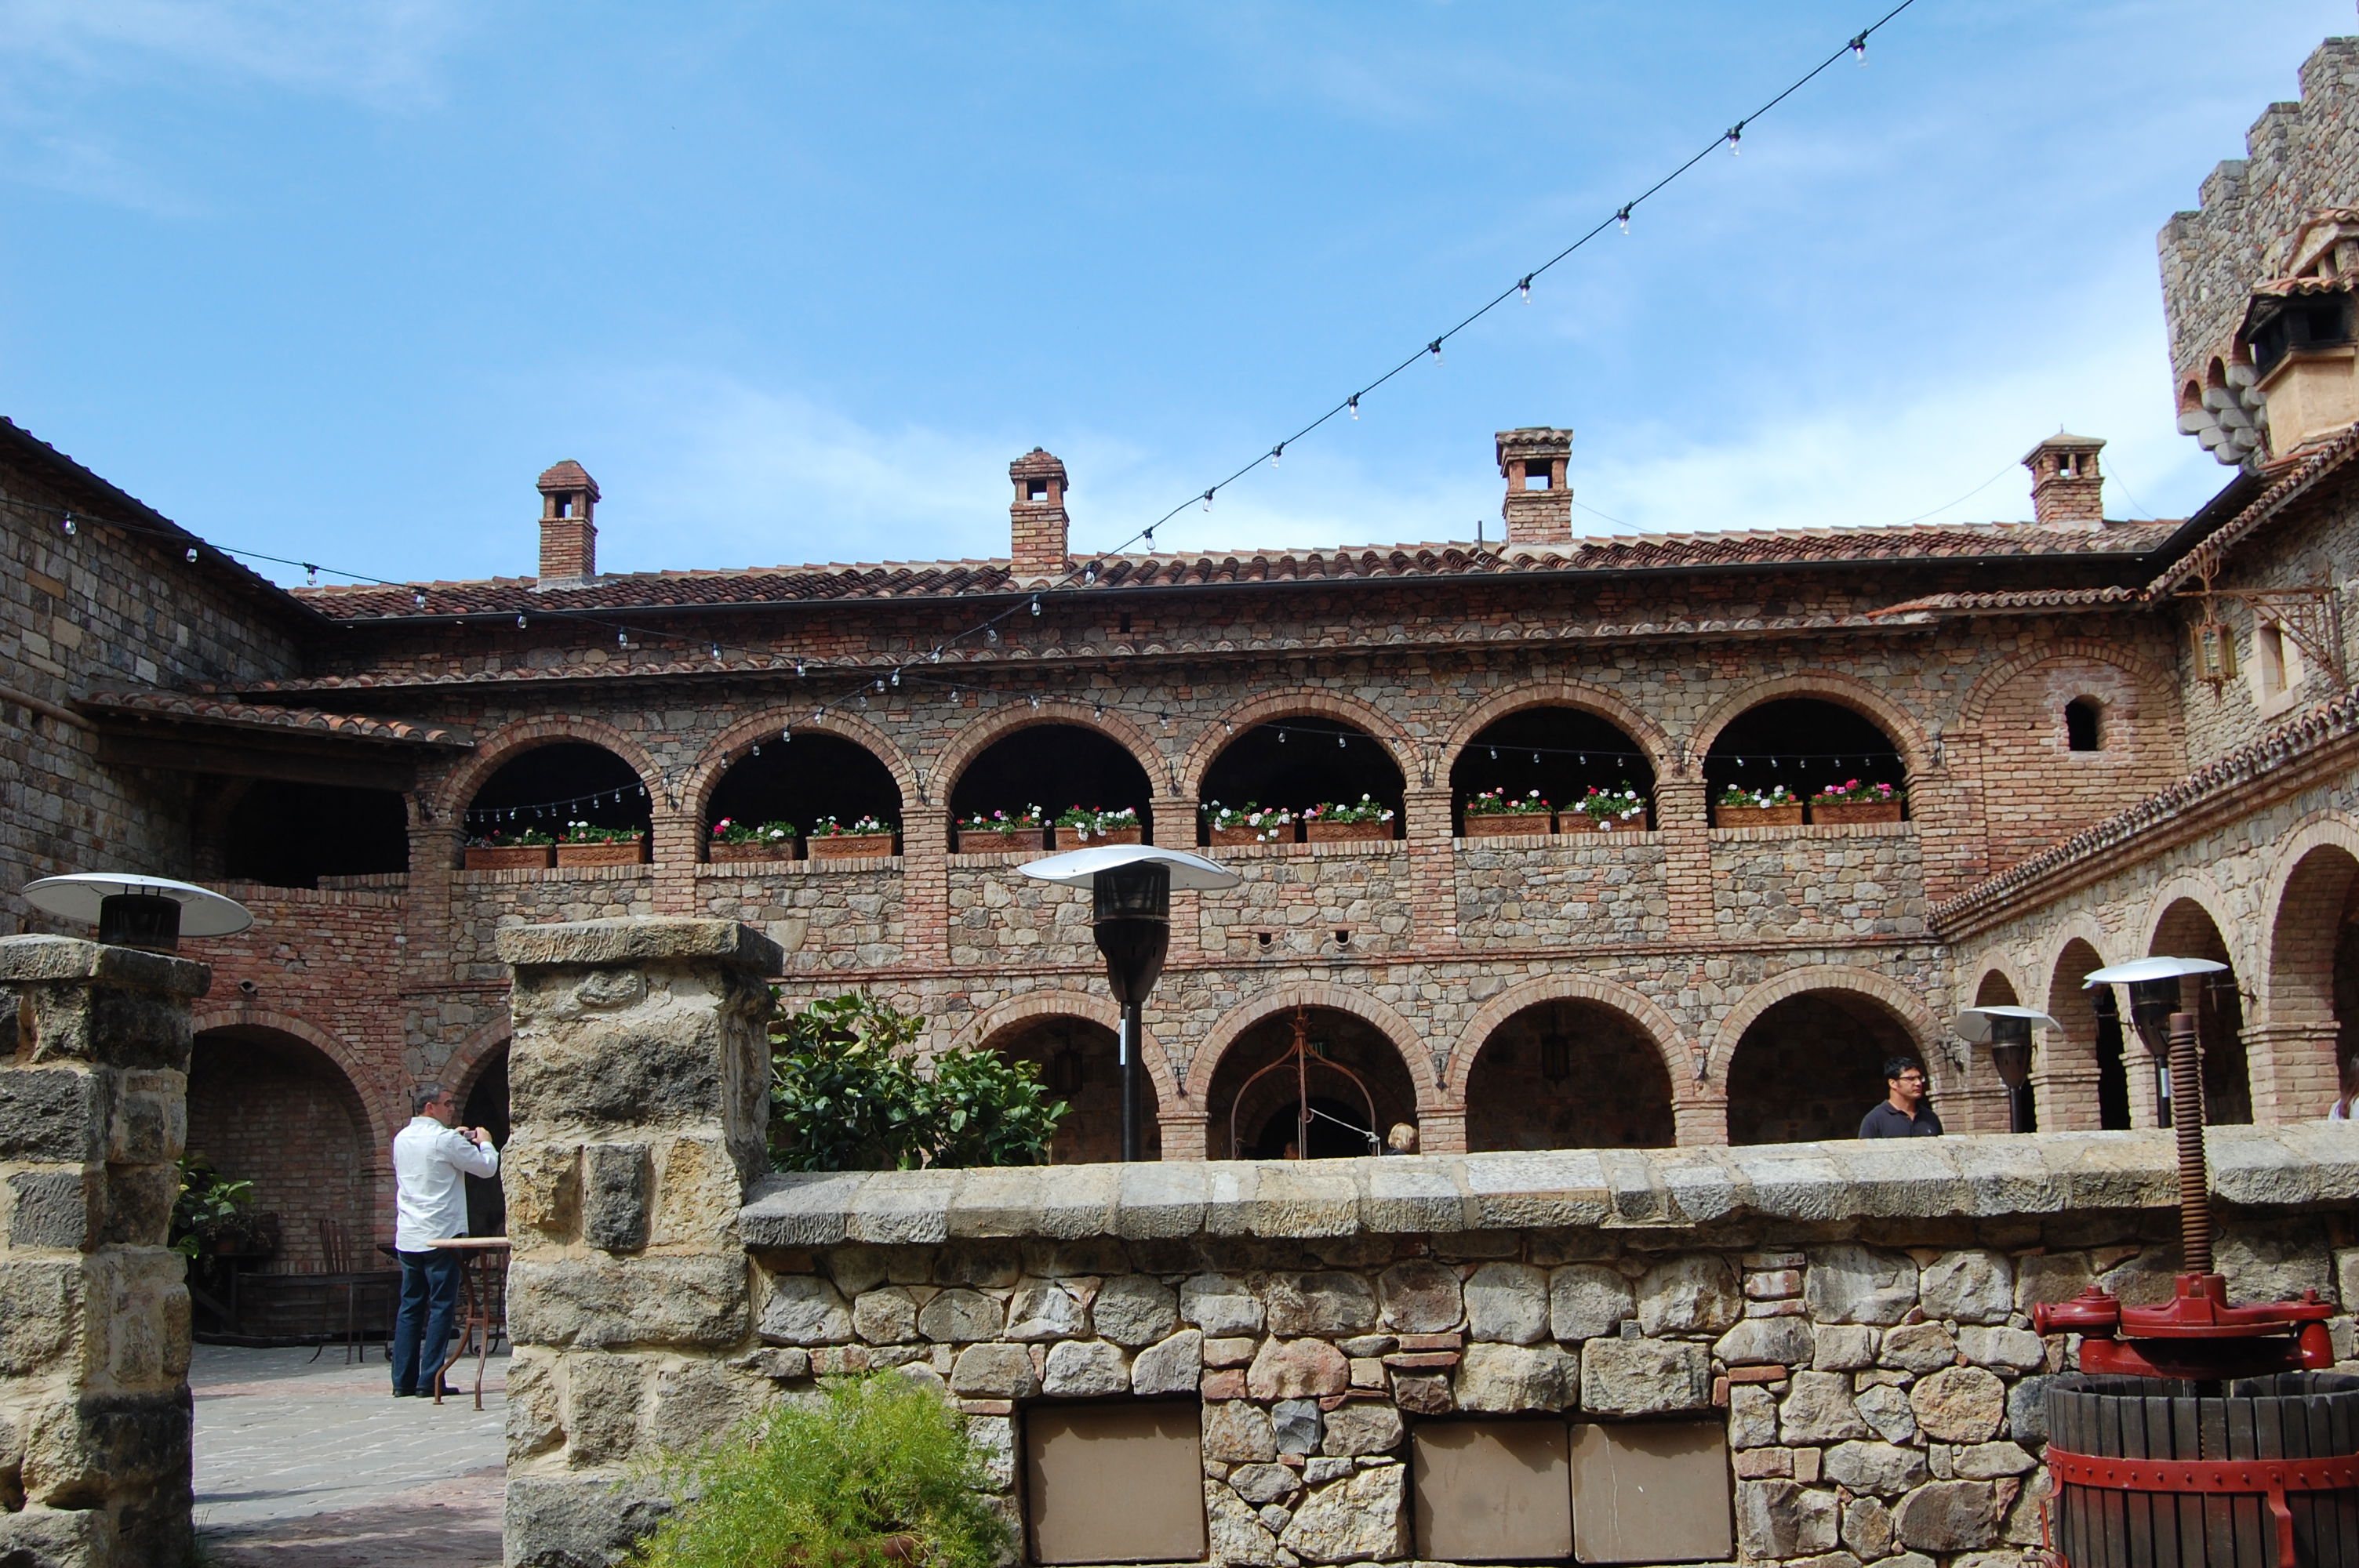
2310 613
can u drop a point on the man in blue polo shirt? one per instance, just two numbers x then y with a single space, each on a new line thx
1904 1112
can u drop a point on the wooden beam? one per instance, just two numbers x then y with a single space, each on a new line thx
185 756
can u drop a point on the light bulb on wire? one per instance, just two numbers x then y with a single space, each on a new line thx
1352 402
1735 137
1434 348
1623 217
1524 288
1859 48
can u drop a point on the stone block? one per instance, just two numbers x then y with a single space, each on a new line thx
2004 1349
1044 1309
1236 1530
1695 1294
1588 1301
616 1179
806 1310
1886 1469
536 1417
111 1025
1329 1303
1221 1305
1918 1348
41 1537
1752 1418
1170 1366
1818 1409
995 1371
603 1400
1296 1425
135 1203
1134 1310
1991 1461
1363 1427
1859 1284
585 1521
53 1115
1506 1377
1768 1342
1298 1369
1231 1352
1644 1377
590 1302
1359 1517
1867 1529
1420 1297
637 941
1886 1408
149 1124
885 1315
960 1317
1084 1369
1782 1519
542 1184
40 1303
1422 1393
1226 1383
1262 1485
1959 1404
1948 1516
1236 1432
60 1209
2027 1410
1971 1286
1508 1304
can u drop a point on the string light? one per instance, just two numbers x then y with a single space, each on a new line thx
192 554
1623 217
1434 348
799 668
1735 136
1208 501
519 622
1859 48
716 650
311 574
1524 288
68 525
418 599
1036 604
1277 453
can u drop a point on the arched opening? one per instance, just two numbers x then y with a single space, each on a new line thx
269 1107
2084 1059
799 782
1803 744
1264 1111
1995 990
551 786
1561 753
2085 725
290 835
1055 767
1568 1074
487 1108
1076 1061
1303 760
2217 1001
2314 954
1811 1066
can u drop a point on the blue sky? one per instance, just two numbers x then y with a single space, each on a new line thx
795 282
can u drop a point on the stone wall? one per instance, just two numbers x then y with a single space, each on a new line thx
94 1409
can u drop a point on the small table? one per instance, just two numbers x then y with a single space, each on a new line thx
483 1263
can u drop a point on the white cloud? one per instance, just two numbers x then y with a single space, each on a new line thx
382 54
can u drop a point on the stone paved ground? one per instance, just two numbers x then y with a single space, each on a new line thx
304 1464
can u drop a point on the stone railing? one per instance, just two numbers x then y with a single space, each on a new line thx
1823 1349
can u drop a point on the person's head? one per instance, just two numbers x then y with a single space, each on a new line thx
1905 1076
434 1100
1402 1138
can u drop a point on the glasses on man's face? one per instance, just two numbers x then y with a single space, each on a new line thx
1917 1078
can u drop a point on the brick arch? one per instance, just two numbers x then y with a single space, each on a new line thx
1827 685
1915 1018
985 730
381 1101
2303 904
511 740
2001 966
1658 1026
464 1067
2156 683
721 753
978 1033
2079 927
1285 701
1557 692
2206 894
1206 1062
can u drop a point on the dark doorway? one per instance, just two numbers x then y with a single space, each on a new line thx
803 779
1077 1064
1268 1102
1568 1074
487 1108
550 786
1810 1067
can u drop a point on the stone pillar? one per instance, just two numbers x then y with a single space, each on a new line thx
1700 1116
639 1078
1433 870
1681 820
925 883
94 1408
2292 1070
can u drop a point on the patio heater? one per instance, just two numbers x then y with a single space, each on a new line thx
1130 891
130 911
2180 1407
2007 1031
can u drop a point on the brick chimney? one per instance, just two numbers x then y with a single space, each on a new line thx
2068 494
568 539
1037 522
1538 508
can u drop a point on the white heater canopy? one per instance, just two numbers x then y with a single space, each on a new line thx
203 913
1975 1022
2138 970
1078 868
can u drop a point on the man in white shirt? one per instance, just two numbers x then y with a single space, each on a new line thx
432 1161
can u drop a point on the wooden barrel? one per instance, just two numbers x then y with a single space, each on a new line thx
2266 1475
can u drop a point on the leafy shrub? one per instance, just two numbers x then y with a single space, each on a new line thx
529 836
1268 823
877 1473
1028 820
1363 810
845 1096
208 1208
1087 821
1853 792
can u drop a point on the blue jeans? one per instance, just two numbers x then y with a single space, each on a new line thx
430 1301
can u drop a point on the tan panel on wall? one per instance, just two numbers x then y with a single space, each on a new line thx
1491 1491
1652 1492
1115 1483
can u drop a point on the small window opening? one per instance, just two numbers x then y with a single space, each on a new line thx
565 506
2276 658
1262 937
1342 939
1126 620
1536 477
1035 489
2084 728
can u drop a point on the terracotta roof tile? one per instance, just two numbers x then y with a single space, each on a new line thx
2300 474
2037 599
193 709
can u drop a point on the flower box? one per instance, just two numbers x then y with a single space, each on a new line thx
1855 811
849 846
1347 832
1072 839
1758 815
614 852
1498 824
510 857
1582 822
730 854
990 842
1234 837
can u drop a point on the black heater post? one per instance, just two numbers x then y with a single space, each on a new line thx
1131 909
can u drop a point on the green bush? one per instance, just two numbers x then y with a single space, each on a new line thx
844 1095
829 1484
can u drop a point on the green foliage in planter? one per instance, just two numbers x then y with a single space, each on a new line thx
1776 795
525 837
1620 805
1028 820
209 1209
729 830
585 833
845 1096
1362 810
1089 822
1499 803
831 1483
829 827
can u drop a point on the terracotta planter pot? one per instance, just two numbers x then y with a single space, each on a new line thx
985 841
1758 815
1070 837
1502 825
510 857
727 854
849 846
1574 822
1346 832
629 853
1856 811
1234 838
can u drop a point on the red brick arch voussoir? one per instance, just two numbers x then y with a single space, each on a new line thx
509 741
1307 701
723 751
1223 1034
1677 1051
1924 1028
993 725
1827 685
981 1031
1648 736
